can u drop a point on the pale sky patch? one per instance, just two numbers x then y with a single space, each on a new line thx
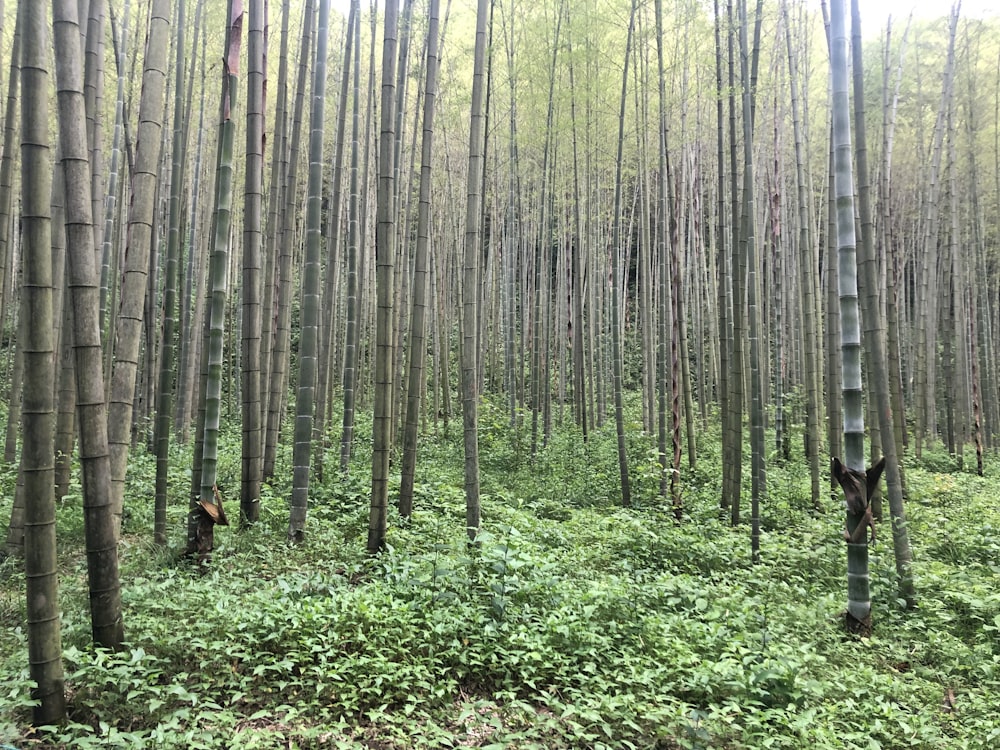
875 12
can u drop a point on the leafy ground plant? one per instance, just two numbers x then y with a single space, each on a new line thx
571 624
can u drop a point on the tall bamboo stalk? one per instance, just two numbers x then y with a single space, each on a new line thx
281 330
165 388
353 260
806 273
145 176
469 352
252 464
38 403
203 541
385 252
616 281
874 331
309 327
420 263
82 277
858 597
333 258
6 178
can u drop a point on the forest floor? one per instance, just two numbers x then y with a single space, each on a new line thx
574 623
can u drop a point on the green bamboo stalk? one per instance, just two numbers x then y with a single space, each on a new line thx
38 403
353 238
469 351
858 597
83 285
325 372
6 177
616 280
275 201
218 272
111 198
253 443
417 324
385 251
278 371
165 387
140 238
873 333
311 276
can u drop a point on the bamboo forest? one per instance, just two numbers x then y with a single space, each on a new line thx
528 374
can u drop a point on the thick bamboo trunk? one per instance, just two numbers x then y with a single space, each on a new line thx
418 348
38 405
385 241
305 392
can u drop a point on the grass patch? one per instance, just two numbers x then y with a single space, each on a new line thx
574 623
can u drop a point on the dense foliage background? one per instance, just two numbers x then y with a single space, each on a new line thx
630 215
574 623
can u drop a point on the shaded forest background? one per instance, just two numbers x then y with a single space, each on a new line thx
517 224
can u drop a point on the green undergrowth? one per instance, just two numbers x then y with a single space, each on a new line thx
572 623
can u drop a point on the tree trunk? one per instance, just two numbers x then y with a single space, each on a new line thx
733 420
193 318
724 272
252 464
99 522
806 285
140 240
38 405
354 233
874 347
110 206
281 330
418 349
6 180
207 511
859 602
927 300
542 277
749 240
616 281
309 326
279 168
469 352
578 254
161 438
93 89
332 263
385 252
